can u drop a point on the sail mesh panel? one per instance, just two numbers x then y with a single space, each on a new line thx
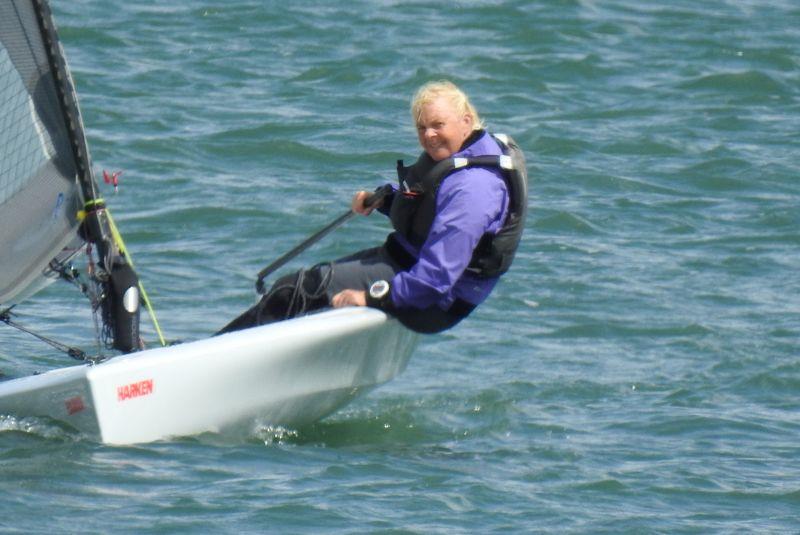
39 196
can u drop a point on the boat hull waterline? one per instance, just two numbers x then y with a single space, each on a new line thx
287 374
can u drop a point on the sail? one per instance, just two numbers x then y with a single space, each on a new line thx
41 158
48 195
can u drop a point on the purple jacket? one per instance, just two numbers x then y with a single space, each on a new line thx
470 203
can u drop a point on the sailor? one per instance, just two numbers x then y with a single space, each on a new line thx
457 213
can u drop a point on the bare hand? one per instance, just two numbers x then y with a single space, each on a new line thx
345 298
358 206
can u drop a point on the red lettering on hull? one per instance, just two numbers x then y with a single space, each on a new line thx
135 390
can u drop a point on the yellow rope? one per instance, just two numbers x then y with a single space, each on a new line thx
121 244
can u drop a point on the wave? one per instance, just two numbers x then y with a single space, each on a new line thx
751 83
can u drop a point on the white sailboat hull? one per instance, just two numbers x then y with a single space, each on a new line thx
288 374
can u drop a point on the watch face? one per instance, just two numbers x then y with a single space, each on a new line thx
379 289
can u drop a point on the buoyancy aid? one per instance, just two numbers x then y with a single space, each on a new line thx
413 208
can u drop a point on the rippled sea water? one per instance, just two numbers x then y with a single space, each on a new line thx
638 370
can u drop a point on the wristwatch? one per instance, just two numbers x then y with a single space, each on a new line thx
378 294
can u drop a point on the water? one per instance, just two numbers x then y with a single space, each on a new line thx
637 371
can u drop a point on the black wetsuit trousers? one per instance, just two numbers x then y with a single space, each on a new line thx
320 283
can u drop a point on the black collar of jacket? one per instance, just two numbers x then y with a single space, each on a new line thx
472 138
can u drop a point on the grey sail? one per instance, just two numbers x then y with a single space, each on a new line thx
40 195
46 177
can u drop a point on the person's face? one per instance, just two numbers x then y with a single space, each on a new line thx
441 129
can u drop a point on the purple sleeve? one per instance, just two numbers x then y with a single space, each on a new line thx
470 203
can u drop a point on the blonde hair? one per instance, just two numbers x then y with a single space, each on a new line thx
444 88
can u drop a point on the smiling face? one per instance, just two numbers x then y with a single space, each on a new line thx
442 129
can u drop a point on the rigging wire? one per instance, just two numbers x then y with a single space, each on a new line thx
73 352
91 289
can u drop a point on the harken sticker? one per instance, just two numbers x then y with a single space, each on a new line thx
135 390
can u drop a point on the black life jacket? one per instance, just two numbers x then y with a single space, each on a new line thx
414 205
